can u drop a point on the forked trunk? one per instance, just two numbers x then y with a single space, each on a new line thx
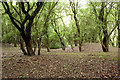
22 46
105 46
47 44
28 43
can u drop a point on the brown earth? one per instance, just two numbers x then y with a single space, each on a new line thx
90 63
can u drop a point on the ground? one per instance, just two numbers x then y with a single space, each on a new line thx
90 63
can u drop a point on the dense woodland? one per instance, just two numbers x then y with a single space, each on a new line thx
33 25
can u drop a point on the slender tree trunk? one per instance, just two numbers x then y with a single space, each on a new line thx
105 45
15 44
47 43
58 34
35 45
105 41
112 42
63 45
78 30
72 4
22 46
119 24
119 37
39 45
75 41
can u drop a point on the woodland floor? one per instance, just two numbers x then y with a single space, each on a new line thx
90 63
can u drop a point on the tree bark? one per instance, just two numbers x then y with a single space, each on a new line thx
76 22
15 44
75 41
29 47
35 45
28 43
78 30
47 43
24 25
105 41
119 24
58 34
22 46
105 46
39 45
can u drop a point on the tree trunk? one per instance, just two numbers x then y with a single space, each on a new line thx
78 30
119 24
58 34
75 42
35 45
22 46
112 42
15 45
47 43
28 43
63 45
39 45
105 41
105 44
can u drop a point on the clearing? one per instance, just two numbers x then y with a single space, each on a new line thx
90 63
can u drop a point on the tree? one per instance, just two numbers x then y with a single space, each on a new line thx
73 7
57 32
119 24
24 25
103 22
45 29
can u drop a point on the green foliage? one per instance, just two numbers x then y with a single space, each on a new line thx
65 24
54 41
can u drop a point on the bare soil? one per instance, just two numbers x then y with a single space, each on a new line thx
90 63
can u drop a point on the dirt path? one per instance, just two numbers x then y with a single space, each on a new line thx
90 63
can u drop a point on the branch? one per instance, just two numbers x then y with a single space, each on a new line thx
39 15
15 10
7 9
94 10
47 18
39 5
113 28
72 6
23 8
109 9
28 7
50 12
32 6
